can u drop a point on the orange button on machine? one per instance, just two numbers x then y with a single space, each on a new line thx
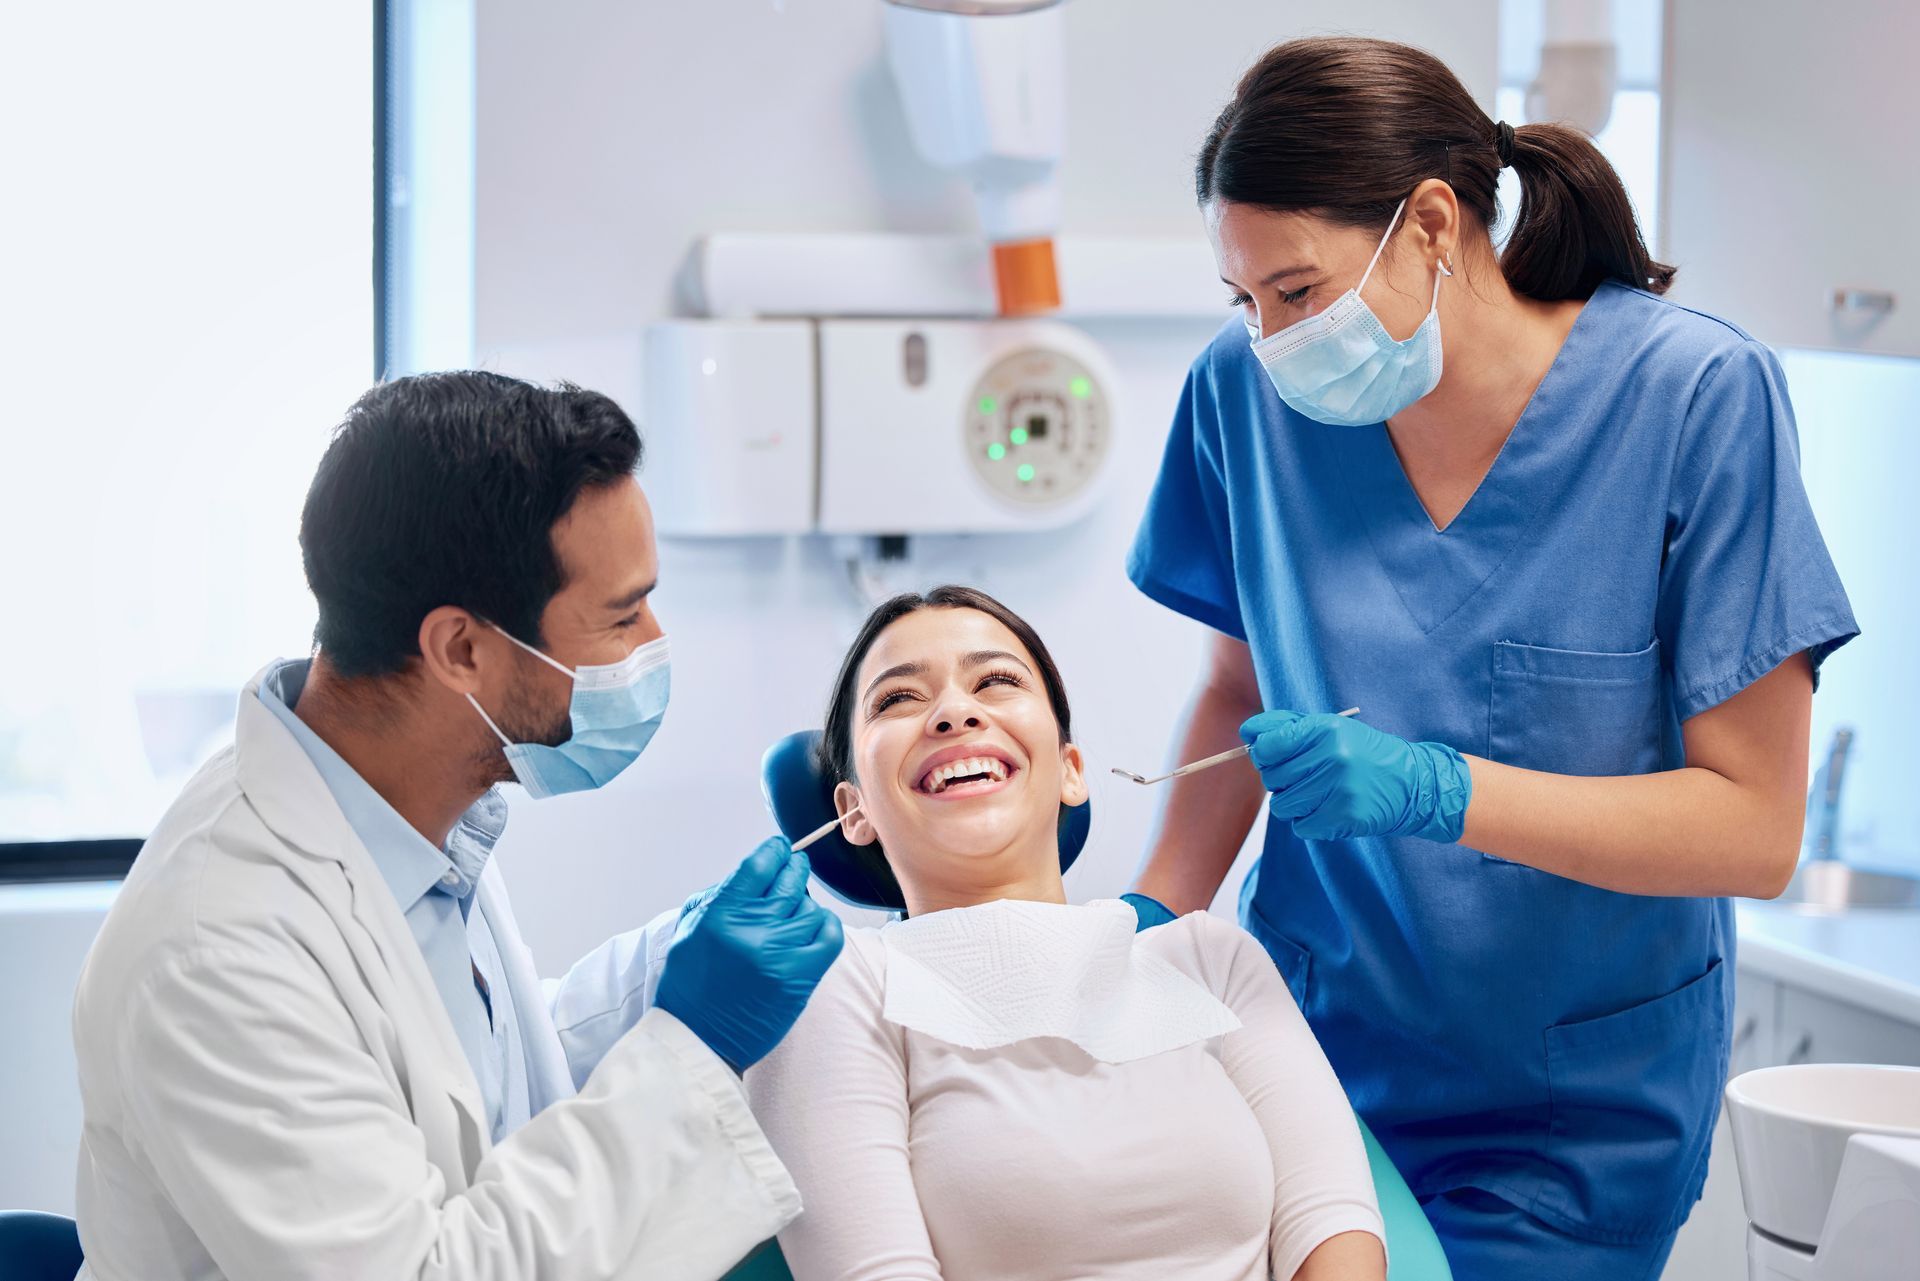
1024 277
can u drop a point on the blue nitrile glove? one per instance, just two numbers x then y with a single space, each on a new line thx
1151 911
746 956
1337 778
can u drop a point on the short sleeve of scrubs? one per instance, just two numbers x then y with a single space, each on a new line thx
1183 554
1747 582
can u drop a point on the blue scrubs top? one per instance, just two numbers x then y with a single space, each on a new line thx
1641 550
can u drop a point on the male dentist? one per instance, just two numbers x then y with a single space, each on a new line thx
311 1041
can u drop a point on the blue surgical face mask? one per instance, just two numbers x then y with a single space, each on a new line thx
1340 366
615 710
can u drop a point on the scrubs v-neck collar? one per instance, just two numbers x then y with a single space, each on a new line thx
1436 571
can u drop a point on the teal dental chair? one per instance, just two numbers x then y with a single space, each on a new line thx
801 799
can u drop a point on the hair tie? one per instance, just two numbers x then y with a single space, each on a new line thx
1503 143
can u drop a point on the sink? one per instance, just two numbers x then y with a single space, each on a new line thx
1791 1129
1825 887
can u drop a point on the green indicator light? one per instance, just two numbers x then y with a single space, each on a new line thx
1018 435
988 404
1025 473
1081 388
996 451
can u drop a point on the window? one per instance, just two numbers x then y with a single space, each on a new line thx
1631 138
188 253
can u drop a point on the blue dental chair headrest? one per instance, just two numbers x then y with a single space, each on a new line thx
801 798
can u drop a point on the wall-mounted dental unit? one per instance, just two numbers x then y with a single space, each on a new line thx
894 384
881 426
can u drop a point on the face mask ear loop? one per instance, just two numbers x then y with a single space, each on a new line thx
1381 247
1441 272
554 663
504 740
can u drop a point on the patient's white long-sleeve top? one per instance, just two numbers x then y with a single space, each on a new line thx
1226 1159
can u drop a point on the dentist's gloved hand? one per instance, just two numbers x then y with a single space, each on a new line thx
1337 778
746 956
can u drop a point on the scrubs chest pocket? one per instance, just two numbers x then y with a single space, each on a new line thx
1569 711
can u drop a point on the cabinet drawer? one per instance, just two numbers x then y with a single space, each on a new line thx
1819 1029
1756 1024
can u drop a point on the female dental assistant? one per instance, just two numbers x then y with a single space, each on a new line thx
1547 530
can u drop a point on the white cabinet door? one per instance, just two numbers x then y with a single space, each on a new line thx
1819 1029
1791 168
1756 1023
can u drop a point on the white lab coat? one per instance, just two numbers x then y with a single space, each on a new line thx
273 1088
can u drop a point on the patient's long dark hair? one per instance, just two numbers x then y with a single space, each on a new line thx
836 743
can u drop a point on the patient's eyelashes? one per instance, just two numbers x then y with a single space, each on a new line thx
888 698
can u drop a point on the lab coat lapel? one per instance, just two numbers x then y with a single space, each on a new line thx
549 1076
285 789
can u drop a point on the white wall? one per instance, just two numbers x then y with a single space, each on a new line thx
611 135
1859 420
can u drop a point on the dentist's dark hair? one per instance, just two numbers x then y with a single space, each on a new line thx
1345 127
443 489
836 741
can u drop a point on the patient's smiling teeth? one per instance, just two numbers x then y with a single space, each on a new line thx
936 780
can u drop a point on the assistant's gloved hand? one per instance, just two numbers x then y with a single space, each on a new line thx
1337 778
746 956
1151 911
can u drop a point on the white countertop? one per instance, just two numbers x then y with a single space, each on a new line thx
1866 958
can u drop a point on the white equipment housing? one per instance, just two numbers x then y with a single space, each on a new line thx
874 426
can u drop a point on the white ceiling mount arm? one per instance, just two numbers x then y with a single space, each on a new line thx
1579 66
983 85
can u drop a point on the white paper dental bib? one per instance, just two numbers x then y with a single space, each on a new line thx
1219 1148
987 976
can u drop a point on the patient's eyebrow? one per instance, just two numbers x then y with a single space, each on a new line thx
981 657
898 669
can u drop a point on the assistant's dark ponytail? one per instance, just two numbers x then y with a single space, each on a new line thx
1576 226
1346 127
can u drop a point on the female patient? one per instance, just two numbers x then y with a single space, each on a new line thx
1004 1086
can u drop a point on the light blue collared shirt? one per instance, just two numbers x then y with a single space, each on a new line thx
435 891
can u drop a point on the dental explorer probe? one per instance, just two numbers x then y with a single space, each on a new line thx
822 830
1192 768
